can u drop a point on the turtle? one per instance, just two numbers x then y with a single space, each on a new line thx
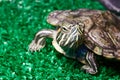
81 34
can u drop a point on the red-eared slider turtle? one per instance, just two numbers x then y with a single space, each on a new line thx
82 33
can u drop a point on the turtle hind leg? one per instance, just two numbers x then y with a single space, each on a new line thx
40 39
90 66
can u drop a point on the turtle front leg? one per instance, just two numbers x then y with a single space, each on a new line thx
90 66
40 40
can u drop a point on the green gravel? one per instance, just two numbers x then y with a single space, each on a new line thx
20 20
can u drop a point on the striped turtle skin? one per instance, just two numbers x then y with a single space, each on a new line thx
80 34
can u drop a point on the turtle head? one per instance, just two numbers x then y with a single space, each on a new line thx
70 34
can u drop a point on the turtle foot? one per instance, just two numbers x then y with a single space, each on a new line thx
37 46
88 69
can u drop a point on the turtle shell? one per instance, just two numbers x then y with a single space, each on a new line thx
103 37
101 31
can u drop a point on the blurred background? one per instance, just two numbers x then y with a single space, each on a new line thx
20 20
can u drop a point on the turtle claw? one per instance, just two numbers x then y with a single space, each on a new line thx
35 46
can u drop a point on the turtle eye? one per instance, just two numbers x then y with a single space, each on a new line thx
64 29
